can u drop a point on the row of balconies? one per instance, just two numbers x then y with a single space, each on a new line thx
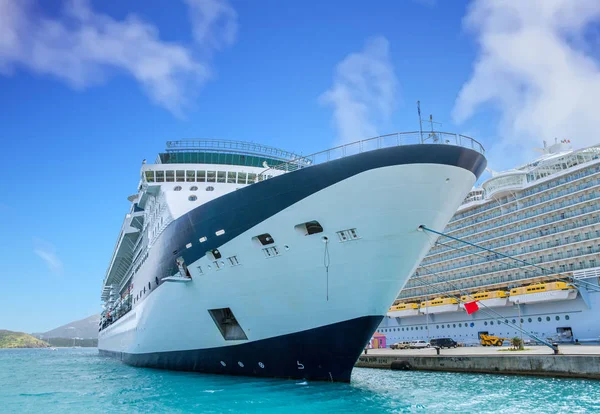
508 267
445 286
573 223
574 210
501 210
484 257
528 193
551 205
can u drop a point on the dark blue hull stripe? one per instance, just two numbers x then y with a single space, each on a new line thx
240 210
327 353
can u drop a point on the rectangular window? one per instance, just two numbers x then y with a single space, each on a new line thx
211 176
190 176
149 176
180 176
230 177
201 176
170 176
160 176
220 176
241 179
251 178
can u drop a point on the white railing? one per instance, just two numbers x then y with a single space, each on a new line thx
383 141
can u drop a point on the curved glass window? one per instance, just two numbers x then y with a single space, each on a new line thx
192 198
210 188
177 188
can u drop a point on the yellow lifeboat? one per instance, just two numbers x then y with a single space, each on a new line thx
489 299
439 305
543 292
403 309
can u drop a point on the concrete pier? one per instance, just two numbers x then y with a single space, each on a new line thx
586 364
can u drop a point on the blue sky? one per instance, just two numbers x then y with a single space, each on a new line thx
89 89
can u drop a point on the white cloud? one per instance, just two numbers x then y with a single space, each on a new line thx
535 68
363 93
47 253
83 47
214 22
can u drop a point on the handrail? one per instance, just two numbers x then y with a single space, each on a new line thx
379 142
228 146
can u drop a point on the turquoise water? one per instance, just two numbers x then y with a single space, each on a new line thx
79 380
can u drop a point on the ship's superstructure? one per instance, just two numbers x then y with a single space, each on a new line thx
237 258
545 214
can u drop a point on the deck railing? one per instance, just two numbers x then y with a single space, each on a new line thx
383 141
235 147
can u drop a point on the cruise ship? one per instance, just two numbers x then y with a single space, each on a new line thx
243 259
533 265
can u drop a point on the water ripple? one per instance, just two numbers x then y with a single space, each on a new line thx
68 380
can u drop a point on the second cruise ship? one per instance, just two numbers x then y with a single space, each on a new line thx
546 215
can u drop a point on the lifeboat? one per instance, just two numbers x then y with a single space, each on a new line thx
403 309
543 292
439 305
489 299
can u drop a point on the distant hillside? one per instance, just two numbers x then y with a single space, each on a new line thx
85 329
10 339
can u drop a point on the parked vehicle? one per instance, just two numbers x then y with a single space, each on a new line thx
400 345
444 342
419 344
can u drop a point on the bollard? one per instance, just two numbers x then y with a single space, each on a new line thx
437 350
555 348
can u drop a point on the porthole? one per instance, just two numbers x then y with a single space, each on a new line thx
472 324
557 318
210 188
192 198
241 364
539 319
260 364
460 325
485 323
223 363
193 188
491 322
421 328
506 321
177 188
567 317
529 320
454 325
514 321
548 318
437 326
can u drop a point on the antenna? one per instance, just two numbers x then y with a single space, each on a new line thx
420 122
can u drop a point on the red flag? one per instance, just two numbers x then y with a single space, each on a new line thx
471 307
